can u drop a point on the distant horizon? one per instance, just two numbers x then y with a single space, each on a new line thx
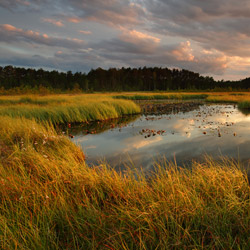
208 37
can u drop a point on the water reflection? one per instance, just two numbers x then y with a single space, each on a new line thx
216 130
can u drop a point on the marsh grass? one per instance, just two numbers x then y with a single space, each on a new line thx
225 97
29 100
51 200
58 109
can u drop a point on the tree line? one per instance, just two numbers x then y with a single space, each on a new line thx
113 79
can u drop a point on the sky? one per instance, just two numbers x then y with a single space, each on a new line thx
209 37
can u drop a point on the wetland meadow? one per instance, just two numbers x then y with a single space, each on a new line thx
127 170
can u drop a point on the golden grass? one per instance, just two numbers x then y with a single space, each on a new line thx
241 98
51 200
67 108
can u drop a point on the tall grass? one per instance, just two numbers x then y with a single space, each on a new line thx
51 200
29 100
68 109
228 97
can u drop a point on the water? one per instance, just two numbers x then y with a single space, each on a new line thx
214 130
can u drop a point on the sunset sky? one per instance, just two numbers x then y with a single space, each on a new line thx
210 37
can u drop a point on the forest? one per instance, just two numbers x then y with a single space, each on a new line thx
113 79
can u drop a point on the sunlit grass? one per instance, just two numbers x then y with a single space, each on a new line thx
243 99
61 109
51 200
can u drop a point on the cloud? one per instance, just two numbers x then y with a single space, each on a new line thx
216 25
134 36
85 32
209 37
57 23
183 52
21 5
81 61
9 34
112 12
9 4
128 42
74 19
145 52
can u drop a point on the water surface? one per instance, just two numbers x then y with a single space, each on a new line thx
215 130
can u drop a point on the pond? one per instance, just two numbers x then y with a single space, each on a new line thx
176 134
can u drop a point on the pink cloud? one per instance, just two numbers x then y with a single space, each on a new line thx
85 32
183 52
9 27
74 19
134 36
57 23
9 33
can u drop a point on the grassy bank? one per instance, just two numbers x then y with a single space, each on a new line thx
66 108
89 107
241 98
51 200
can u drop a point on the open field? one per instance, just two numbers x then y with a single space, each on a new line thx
50 199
